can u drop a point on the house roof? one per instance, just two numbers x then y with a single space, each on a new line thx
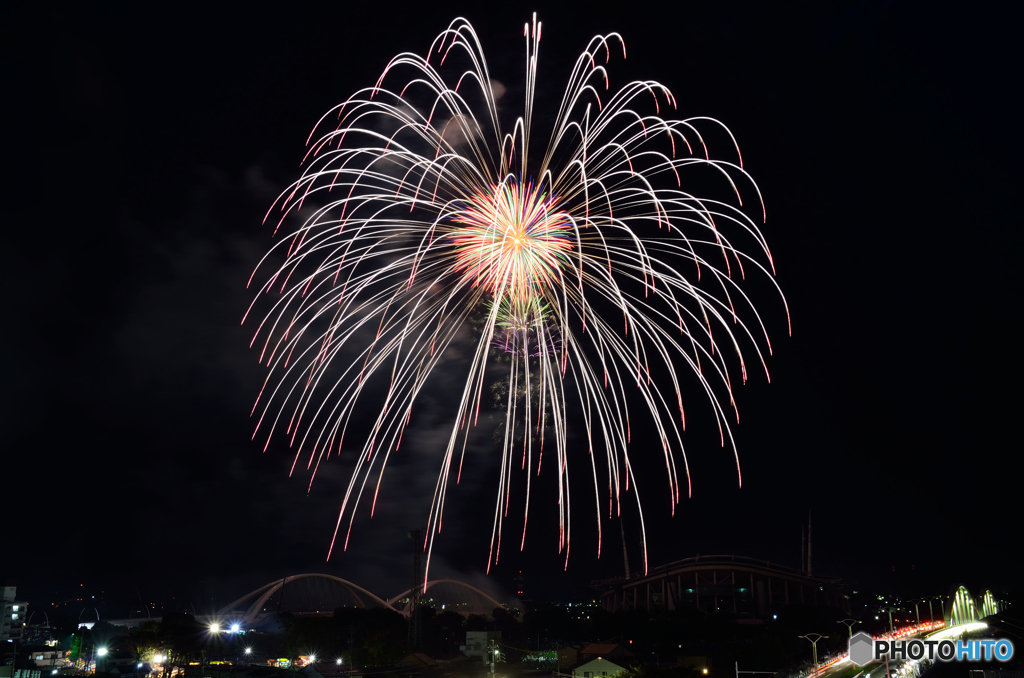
596 660
600 648
417 659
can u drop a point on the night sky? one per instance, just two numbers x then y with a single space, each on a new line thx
145 147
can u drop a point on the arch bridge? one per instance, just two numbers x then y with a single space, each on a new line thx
316 594
449 594
962 608
745 587
321 594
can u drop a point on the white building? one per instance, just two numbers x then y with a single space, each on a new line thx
478 642
12 621
596 668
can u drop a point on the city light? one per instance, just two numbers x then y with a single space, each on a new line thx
248 650
214 628
235 628
101 651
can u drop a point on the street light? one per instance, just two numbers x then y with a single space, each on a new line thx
892 629
814 645
849 624
915 601
100 652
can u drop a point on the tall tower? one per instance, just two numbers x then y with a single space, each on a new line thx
809 570
416 591
803 549
625 553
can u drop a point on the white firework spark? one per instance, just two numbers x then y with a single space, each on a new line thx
410 220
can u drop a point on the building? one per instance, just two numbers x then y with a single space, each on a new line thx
15 612
568 656
45 657
595 668
38 634
418 662
478 642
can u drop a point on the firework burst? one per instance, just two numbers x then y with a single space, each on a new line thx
592 266
512 241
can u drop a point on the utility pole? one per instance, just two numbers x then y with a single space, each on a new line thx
492 650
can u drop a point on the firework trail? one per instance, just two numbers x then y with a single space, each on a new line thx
590 265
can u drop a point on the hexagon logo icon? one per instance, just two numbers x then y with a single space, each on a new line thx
862 648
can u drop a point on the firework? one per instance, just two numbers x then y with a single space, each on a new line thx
424 214
524 327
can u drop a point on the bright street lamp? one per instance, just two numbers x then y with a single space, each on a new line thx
849 624
814 645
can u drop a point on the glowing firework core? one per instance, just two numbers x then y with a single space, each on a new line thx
510 239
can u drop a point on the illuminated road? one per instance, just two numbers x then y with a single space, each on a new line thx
896 669
841 664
